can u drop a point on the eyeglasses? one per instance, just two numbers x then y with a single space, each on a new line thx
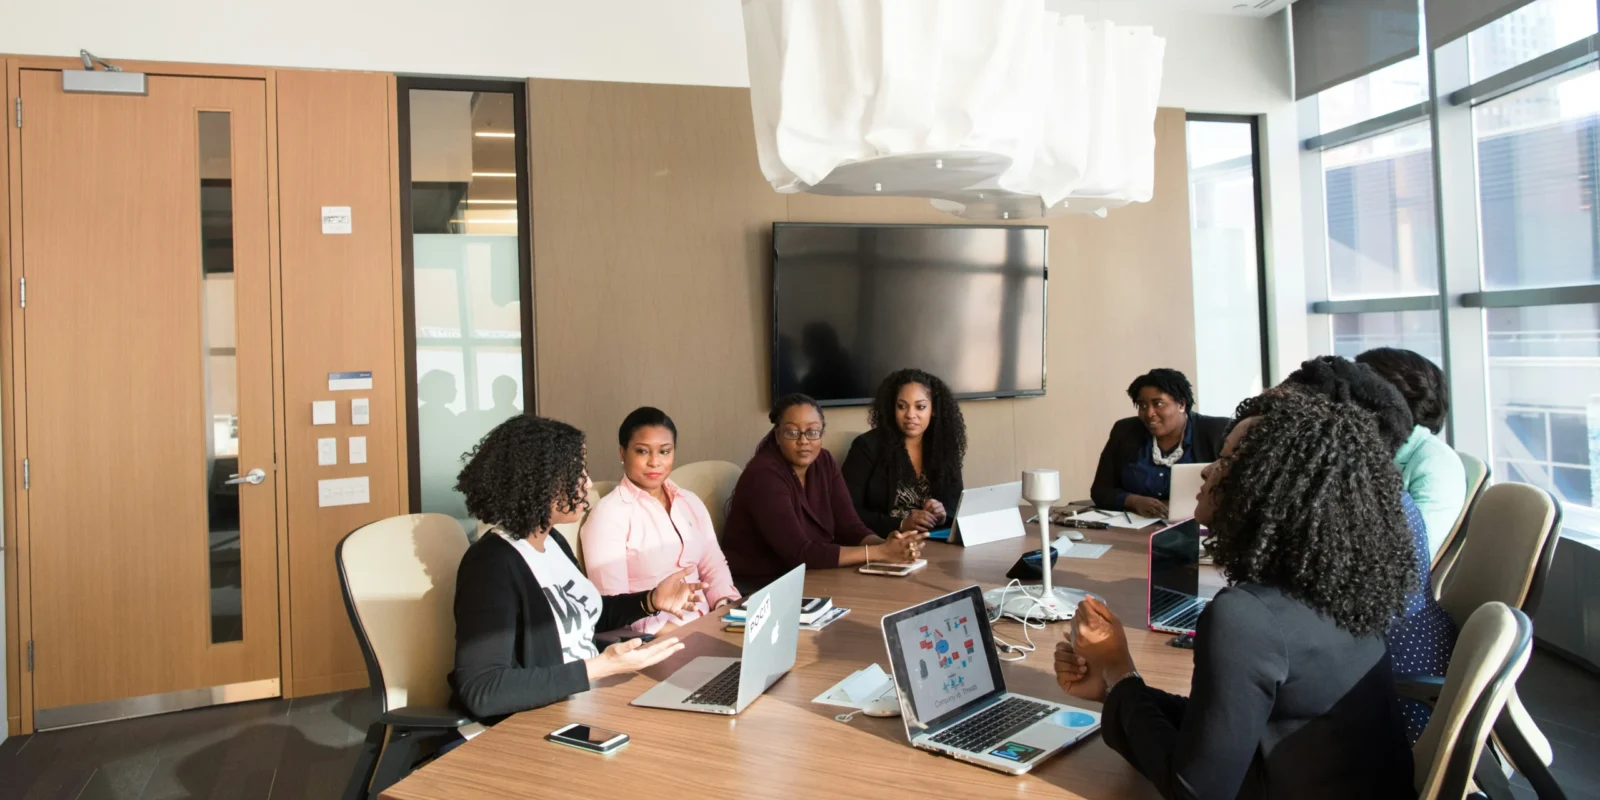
794 434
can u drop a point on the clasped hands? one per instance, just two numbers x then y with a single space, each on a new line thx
1094 652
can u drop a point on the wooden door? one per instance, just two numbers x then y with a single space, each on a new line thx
146 340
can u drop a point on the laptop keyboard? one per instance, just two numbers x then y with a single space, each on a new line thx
1171 609
722 690
993 725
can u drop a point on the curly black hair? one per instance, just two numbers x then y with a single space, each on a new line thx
644 417
1167 381
1310 504
789 401
522 470
1344 381
1419 380
944 443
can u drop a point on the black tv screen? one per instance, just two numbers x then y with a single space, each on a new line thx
852 303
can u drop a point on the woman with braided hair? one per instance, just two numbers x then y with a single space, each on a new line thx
1292 694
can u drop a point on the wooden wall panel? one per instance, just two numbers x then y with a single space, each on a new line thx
12 654
651 227
338 315
652 280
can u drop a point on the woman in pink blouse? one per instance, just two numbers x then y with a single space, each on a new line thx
649 528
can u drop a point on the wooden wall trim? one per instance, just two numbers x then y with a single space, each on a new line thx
19 605
150 67
397 278
279 418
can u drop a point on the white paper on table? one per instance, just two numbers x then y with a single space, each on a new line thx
1116 519
1081 550
858 689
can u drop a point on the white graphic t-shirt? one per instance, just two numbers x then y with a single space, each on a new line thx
573 599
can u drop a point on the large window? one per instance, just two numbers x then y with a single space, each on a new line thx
1484 256
467 266
1228 263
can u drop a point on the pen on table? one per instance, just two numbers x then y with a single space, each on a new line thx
1127 518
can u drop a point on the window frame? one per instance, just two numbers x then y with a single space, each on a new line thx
519 92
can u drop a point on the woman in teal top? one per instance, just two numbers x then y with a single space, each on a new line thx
1432 472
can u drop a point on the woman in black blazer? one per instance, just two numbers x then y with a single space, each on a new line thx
1135 472
525 614
1293 690
905 473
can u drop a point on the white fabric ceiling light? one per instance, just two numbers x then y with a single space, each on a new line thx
991 108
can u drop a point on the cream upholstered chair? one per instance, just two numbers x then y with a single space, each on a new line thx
712 482
838 443
398 578
1503 556
1477 479
1490 654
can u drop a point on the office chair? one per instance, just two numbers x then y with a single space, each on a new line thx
712 482
398 578
1490 654
1503 557
838 443
1477 479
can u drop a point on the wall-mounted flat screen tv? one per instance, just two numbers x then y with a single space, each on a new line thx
852 303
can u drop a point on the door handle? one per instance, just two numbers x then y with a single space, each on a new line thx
253 476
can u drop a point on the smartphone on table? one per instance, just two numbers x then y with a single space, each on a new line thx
588 737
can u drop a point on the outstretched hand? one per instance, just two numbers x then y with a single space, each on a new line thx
677 594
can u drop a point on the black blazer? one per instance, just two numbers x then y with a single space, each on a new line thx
508 652
872 472
1283 704
1127 442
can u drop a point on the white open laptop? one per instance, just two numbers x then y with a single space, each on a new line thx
1185 494
953 696
722 685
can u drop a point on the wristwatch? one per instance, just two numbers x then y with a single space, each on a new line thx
1132 673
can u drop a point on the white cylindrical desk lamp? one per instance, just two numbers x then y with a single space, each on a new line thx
1042 488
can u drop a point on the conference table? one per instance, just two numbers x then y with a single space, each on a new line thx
783 744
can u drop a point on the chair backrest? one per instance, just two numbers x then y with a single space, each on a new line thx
1505 551
398 578
712 482
838 443
1490 654
569 530
1477 480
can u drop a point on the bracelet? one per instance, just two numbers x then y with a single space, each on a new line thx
648 604
866 554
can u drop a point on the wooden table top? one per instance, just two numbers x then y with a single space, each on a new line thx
784 745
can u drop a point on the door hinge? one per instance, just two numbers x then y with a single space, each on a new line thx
22 291
24 473
19 112
30 655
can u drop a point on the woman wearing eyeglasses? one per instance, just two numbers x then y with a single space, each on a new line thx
791 506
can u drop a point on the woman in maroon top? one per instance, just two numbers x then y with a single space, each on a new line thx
791 507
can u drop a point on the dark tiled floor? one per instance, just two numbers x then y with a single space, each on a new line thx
286 749
305 748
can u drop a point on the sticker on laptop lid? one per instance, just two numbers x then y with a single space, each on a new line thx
758 618
1016 751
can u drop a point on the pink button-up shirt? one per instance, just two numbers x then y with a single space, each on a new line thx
631 544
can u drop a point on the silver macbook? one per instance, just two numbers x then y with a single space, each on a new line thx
720 685
1185 494
953 696
1175 601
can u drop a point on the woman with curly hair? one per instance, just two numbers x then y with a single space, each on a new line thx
791 507
525 615
1422 640
1292 694
1434 475
905 473
1135 471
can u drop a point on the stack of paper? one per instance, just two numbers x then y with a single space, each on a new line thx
1116 519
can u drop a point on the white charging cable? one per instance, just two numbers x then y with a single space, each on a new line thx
1027 621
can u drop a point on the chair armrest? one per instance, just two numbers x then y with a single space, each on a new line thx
1423 688
423 717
